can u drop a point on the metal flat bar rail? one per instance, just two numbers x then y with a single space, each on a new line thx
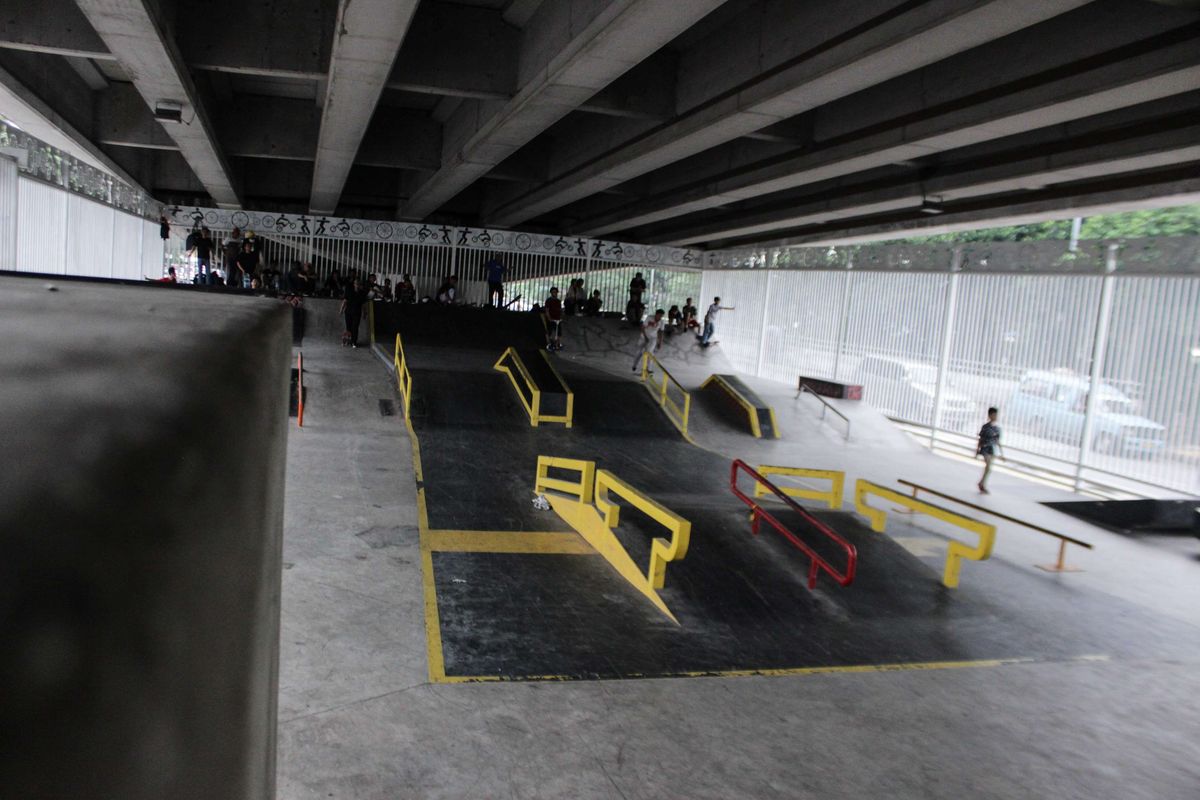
757 513
1058 566
804 387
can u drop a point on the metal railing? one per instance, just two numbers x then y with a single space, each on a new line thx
832 497
817 563
403 376
750 409
825 404
587 506
1064 540
956 552
677 412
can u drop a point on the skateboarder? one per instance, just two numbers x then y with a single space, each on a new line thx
652 336
710 321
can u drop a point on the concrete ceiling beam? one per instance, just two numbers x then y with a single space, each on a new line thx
882 48
569 51
1165 191
133 30
1119 83
840 200
58 28
367 38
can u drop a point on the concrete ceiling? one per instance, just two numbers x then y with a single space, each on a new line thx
706 122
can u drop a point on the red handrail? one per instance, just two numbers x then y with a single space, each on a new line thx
300 390
757 513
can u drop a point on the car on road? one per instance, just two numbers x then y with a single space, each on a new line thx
1053 404
906 389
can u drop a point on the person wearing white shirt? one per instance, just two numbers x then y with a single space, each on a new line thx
710 320
652 336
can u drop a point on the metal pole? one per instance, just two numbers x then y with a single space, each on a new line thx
843 320
762 328
948 312
1099 346
1076 225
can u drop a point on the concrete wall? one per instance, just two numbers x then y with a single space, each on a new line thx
141 509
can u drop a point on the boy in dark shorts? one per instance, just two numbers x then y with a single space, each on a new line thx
554 318
989 446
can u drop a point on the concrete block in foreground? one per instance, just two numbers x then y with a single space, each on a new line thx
142 443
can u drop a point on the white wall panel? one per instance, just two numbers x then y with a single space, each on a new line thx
41 227
89 238
8 213
127 247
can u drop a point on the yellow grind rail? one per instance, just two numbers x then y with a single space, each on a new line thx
403 375
661 391
584 488
832 496
750 409
594 516
956 552
534 407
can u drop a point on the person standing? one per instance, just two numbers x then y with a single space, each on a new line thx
247 264
989 446
576 296
202 246
710 320
554 320
230 250
652 336
353 307
495 270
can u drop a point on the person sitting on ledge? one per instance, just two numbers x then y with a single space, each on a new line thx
447 295
594 304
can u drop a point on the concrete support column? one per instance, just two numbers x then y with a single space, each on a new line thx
843 318
1099 346
948 311
140 540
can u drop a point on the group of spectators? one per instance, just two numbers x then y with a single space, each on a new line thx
243 268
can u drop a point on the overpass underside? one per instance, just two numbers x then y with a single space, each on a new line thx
698 122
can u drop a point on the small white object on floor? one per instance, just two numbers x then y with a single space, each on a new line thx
541 503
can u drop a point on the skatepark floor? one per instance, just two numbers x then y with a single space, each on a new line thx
359 716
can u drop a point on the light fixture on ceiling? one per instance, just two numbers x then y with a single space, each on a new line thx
168 111
931 207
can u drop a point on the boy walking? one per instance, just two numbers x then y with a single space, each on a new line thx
989 446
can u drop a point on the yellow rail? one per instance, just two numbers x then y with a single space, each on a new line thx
957 550
832 497
403 375
592 513
584 488
750 409
676 410
533 406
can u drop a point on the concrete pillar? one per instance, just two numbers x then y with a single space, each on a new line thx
141 516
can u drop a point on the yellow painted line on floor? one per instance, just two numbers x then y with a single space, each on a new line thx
531 542
792 671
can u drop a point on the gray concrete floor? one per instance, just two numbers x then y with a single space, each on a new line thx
359 719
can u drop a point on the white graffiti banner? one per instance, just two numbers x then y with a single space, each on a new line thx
372 230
